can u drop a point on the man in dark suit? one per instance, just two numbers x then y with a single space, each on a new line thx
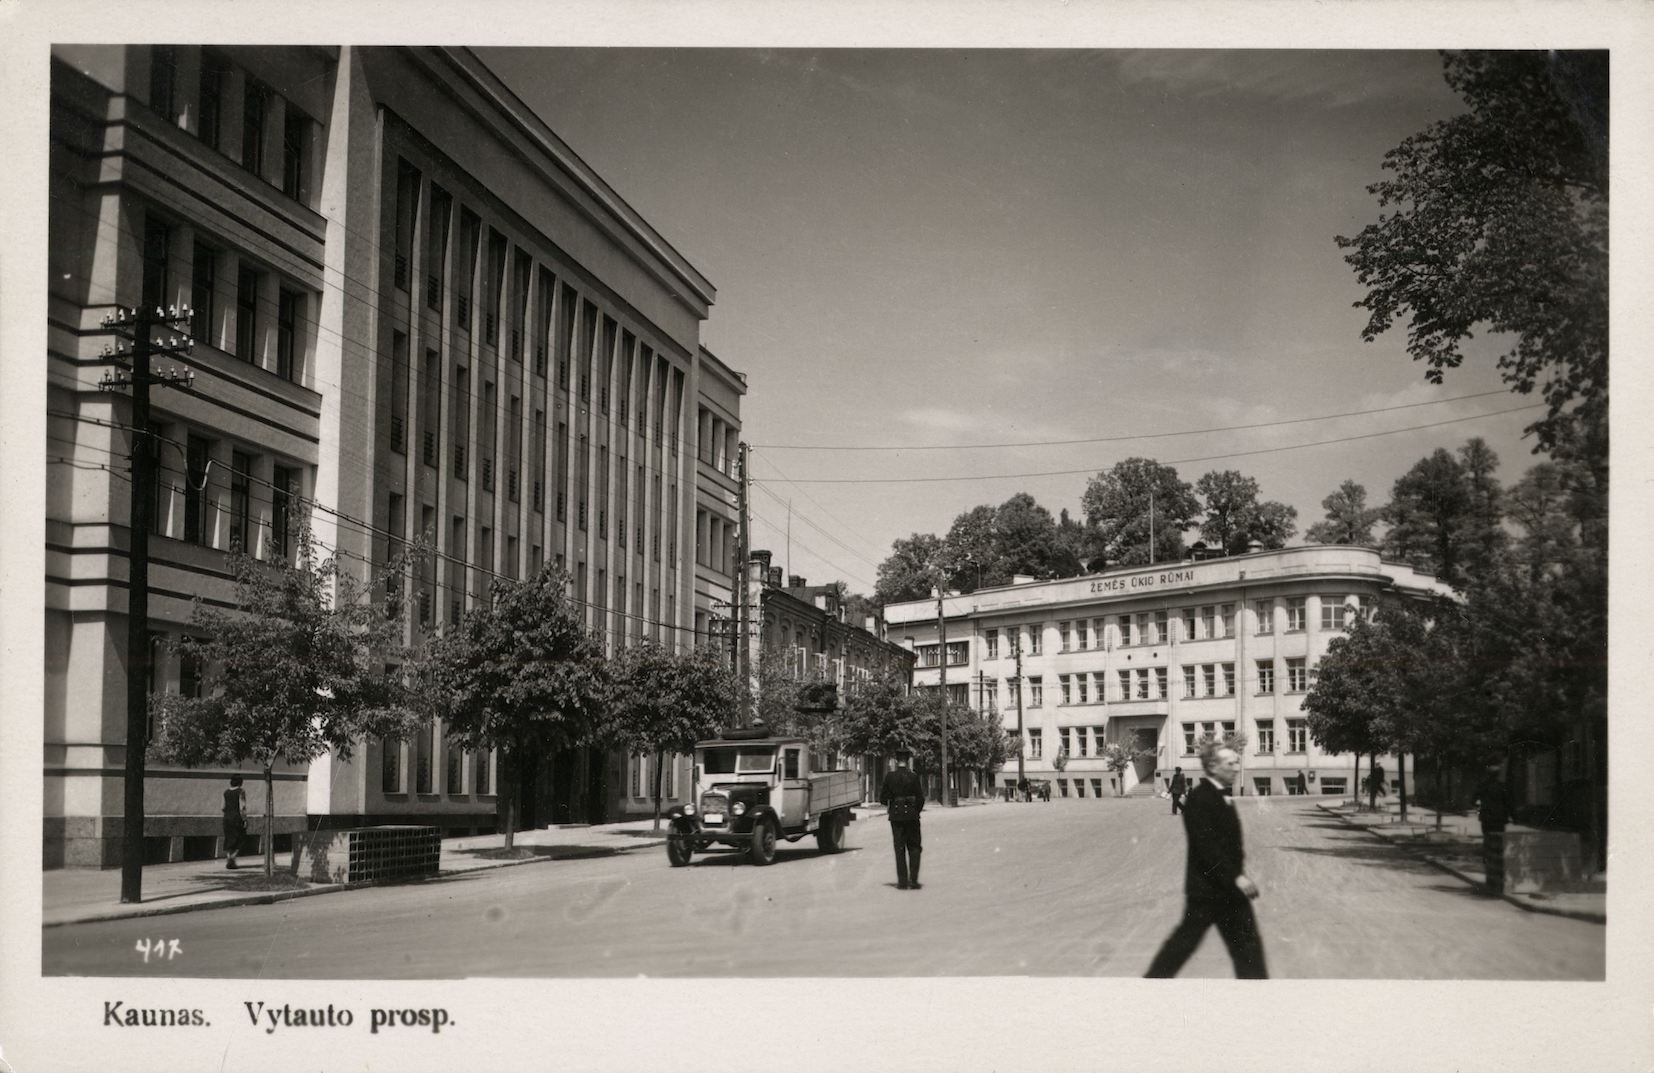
1179 787
904 798
1493 810
1216 888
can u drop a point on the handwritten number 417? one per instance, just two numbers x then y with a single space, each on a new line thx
163 949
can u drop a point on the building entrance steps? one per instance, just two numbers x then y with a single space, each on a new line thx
1456 848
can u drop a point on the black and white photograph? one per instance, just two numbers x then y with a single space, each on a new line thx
1020 536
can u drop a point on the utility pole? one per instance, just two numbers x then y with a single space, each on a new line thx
942 651
743 652
1016 651
140 329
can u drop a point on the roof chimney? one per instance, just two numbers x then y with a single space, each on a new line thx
795 581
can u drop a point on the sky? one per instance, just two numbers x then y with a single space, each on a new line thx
937 250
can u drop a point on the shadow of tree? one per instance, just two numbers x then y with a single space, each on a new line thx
524 853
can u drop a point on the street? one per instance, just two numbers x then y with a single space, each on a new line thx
1066 888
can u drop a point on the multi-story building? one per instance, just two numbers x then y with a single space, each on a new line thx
1158 658
417 312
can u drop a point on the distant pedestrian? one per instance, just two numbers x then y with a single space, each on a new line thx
235 820
1022 788
1179 787
1216 888
1303 783
1493 810
1375 785
904 799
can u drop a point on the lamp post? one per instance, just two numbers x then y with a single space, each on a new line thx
942 653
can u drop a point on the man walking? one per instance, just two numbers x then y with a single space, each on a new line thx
1216 888
1493 809
235 821
904 798
1179 787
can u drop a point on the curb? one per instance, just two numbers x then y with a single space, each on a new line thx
271 897
1572 914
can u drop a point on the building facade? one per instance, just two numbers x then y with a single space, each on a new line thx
417 313
1157 658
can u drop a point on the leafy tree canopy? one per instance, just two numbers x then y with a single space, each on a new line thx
910 571
1499 221
1234 517
1348 518
664 701
1117 504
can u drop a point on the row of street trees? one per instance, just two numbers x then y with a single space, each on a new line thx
311 660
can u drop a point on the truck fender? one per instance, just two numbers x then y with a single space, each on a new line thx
681 823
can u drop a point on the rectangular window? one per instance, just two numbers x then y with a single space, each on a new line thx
1266 676
1266 736
1208 622
241 502
1226 617
1188 624
485 436
1295 614
1125 684
246 315
287 335
990 639
1189 689
189 674
436 247
1036 692
398 427
1036 744
295 139
1209 676
1297 679
195 492
430 405
1228 679
157 286
1084 629
1140 629
461 411
492 286
163 75
1264 610
485 767
423 775
1013 640
1141 679
1161 689
455 783
407 221
252 128
1263 786
1080 692
204 276
1297 735
1067 689
563 471
1063 634
1191 731
390 766
1160 635
1333 613
1035 638
211 111
284 496
1082 742
514 447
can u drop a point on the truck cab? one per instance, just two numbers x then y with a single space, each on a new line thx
752 789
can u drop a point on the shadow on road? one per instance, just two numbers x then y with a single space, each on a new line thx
730 858
555 853
1372 856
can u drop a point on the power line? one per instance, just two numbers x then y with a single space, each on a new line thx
847 573
1168 462
1118 439
806 494
803 518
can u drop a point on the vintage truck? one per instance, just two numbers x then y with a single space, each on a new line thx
752 790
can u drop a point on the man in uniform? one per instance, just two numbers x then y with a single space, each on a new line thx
904 798
1179 787
1215 886
1493 810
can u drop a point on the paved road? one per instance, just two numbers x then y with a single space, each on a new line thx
1069 888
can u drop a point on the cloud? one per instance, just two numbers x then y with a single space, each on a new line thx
1334 79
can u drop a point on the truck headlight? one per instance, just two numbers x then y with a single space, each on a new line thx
740 808
689 810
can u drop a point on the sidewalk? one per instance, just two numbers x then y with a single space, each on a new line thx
76 895
1457 850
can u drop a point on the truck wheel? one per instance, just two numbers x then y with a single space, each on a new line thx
763 842
830 835
679 848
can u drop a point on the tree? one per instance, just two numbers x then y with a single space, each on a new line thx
1541 505
1119 756
1347 705
521 675
910 571
884 719
1500 222
1428 515
1235 517
1117 505
1027 540
663 702
305 663
783 689
1486 541
1348 519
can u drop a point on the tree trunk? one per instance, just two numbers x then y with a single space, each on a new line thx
1440 793
1355 784
660 762
1372 783
1401 775
507 799
269 823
